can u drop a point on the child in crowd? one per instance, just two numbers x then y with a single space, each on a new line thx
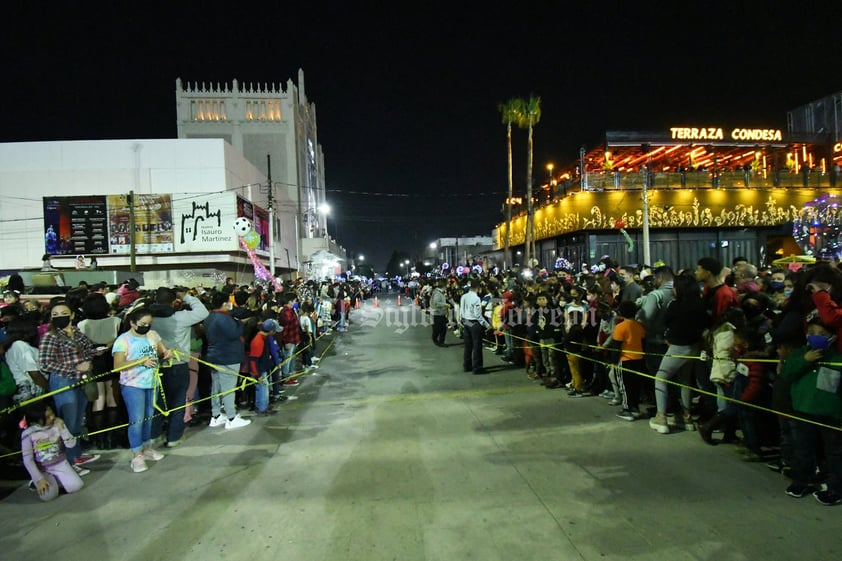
43 440
628 338
815 374
751 387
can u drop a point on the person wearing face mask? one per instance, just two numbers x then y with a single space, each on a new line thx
816 394
66 354
138 380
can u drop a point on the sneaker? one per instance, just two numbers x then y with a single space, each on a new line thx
828 498
173 444
615 401
291 382
799 490
86 459
751 456
236 422
575 393
626 415
217 421
80 471
152 454
138 464
315 359
661 427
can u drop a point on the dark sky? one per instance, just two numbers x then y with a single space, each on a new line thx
407 93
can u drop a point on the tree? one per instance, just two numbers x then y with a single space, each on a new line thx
512 112
529 118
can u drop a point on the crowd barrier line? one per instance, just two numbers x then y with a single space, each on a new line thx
157 389
679 384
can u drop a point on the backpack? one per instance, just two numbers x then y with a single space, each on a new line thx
8 386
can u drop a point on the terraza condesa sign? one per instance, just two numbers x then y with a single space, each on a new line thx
717 133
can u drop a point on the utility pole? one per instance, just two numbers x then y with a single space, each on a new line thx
271 240
132 263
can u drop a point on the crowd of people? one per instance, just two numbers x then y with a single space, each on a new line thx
746 357
106 356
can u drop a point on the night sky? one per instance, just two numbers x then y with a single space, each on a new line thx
406 94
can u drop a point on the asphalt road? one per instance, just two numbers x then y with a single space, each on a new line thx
391 452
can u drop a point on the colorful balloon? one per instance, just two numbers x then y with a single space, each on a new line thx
252 239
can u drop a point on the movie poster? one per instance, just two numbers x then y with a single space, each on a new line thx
204 222
153 224
75 225
259 218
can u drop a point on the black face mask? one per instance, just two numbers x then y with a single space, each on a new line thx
61 322
142 329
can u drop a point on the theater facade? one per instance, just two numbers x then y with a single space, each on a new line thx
716 190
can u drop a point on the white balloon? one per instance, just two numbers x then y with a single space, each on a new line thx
242 226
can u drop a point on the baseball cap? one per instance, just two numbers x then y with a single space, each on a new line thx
271 325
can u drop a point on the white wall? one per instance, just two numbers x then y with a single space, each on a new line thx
32 170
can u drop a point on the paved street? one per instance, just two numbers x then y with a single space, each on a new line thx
391 452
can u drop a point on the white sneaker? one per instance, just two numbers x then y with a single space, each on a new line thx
315 359
80 471
236 422
138 464
217 421
152 454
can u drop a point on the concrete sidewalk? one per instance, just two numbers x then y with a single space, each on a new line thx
392 452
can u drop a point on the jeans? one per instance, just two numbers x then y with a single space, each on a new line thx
288 360
70 406
223 382
261 393
668 369
174 383
472 356
806 442
140 408
439 329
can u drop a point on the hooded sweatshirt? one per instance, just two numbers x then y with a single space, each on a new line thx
175 326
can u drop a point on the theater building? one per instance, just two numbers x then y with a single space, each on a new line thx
716 190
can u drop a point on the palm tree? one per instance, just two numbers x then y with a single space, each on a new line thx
511 112
529 118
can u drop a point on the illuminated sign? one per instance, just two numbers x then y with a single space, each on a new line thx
837 147
716 133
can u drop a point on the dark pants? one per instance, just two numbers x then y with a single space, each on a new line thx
632 382
439 329
174 382
805 446
472 333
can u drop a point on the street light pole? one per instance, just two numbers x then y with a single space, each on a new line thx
271 240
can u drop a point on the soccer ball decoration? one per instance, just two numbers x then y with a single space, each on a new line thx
242 226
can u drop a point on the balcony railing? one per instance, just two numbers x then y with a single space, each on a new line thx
707 179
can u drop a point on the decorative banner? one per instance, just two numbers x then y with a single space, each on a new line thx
260 270
75 225
153 231
203 222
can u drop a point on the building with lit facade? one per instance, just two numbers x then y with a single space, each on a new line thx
275 129
719 191
179 197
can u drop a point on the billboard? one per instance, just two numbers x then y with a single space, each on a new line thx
153 226
259 218
75 225
204 221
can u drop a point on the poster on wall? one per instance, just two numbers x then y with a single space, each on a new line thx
259 218
261 226
75 225
204 221
153 229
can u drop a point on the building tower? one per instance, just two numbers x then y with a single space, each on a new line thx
265 119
